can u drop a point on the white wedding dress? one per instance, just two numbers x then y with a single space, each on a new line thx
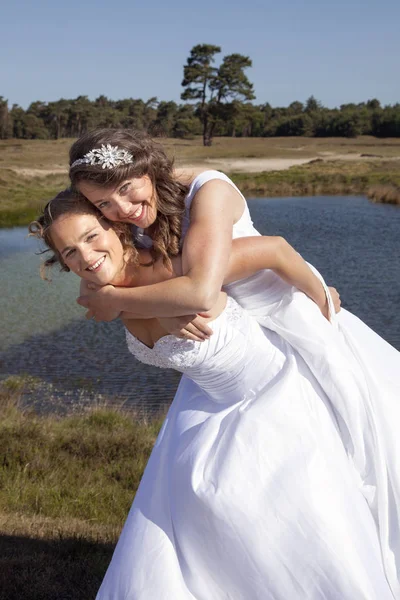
275 474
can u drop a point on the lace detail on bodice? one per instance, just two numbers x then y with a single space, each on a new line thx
171 352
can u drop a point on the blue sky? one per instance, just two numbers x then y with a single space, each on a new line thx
341 51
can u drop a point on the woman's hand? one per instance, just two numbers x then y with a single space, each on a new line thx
336 303
188 327
336 298
98 301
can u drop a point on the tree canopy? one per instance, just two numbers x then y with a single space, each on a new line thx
215 89
216 101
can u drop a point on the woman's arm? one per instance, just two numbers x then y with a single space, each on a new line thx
215 209
251 254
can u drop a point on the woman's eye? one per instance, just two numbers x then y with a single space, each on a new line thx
91 236
103 205
124 188
69 253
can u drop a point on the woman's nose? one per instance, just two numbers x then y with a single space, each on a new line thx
85 258
124 208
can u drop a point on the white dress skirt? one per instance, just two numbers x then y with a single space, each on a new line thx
275 474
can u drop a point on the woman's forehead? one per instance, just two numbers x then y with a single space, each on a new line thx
71 226
99 192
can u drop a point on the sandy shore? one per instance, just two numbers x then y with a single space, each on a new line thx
246 165
259 165
229 165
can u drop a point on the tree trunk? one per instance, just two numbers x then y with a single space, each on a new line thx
207 139
207 134
210 133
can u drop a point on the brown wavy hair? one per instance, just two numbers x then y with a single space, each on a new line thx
69 202
149 159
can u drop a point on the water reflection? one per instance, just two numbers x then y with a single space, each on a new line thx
85 361
355 245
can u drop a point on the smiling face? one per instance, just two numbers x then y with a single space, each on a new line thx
132 201
90 248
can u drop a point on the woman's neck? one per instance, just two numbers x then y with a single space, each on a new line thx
129 274
147 272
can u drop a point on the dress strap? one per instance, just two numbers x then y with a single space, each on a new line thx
203 178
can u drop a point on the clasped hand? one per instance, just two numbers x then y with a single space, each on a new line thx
97 299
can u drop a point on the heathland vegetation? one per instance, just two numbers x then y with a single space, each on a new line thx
32 171
66 485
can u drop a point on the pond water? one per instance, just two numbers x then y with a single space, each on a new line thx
72 361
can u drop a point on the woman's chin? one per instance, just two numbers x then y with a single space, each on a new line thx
104 277
97 280
101 280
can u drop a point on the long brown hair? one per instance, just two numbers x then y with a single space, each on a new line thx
149 159
68 202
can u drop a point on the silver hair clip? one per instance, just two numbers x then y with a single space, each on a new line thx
107 156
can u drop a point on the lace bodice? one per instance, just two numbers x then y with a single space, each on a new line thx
171 352
231 364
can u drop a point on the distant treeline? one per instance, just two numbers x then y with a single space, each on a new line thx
71 118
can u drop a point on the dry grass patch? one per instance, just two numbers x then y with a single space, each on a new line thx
32 171
22 198
85 466
66 486
38 154
320 178
53 154
384 193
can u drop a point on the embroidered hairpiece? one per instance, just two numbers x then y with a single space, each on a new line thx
107 156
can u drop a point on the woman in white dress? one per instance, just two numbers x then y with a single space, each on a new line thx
131 180
248 493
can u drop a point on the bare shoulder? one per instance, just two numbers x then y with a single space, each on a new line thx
218 194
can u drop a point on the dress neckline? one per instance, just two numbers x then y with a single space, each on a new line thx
228 302
153 347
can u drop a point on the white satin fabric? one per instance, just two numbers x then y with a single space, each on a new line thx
360 374
275 475
248 493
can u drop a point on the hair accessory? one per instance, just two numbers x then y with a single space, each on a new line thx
107 156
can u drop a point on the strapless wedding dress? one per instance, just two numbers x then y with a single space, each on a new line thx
249 493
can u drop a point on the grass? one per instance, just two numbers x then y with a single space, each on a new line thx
385 193
34 154
22 197
53 154
66 485
320 177
32 171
